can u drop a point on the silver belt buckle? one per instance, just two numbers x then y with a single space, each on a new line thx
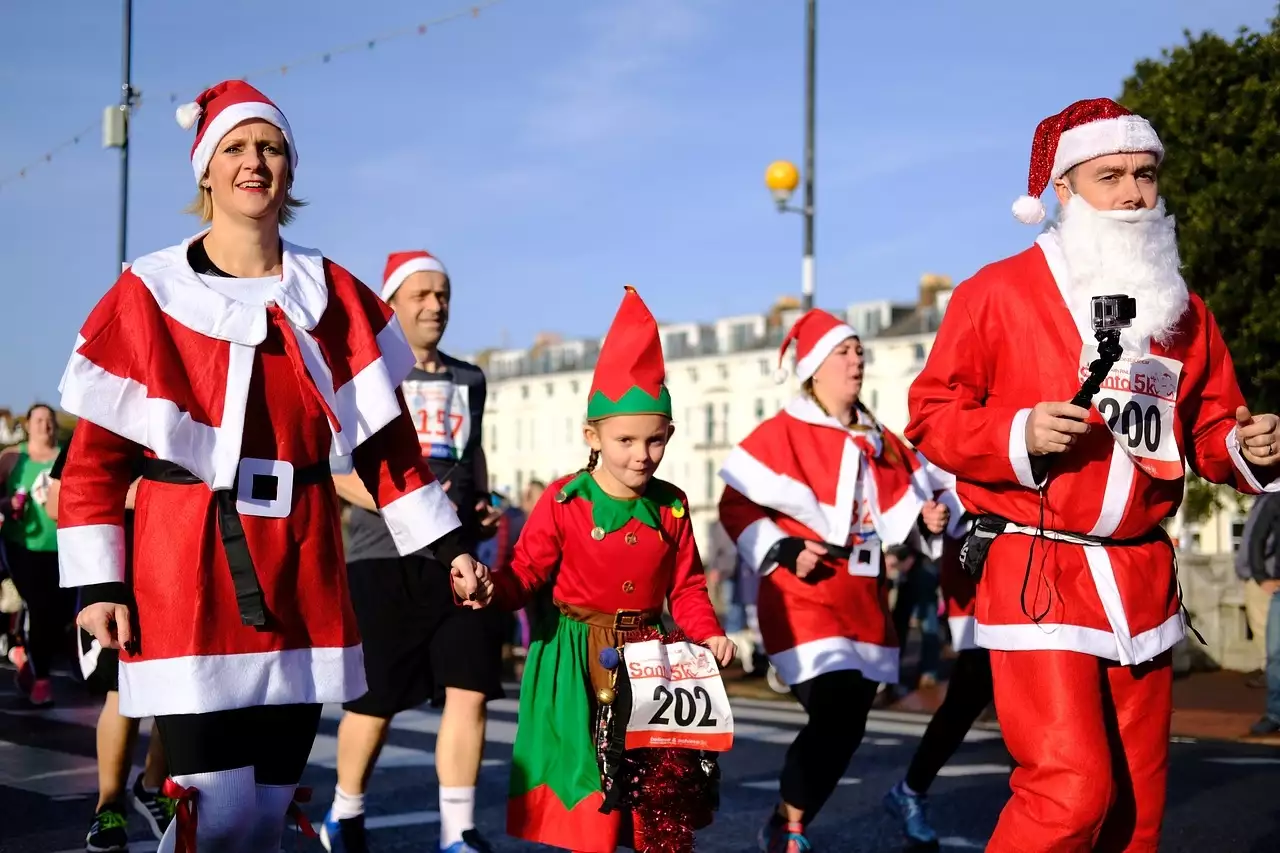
264 488
864 560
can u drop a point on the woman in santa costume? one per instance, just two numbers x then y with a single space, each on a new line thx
614 543
813 495
237 367
1078 599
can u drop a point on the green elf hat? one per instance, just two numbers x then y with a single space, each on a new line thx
630 372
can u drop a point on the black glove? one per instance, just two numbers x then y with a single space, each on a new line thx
785 551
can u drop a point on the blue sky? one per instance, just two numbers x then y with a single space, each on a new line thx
552 150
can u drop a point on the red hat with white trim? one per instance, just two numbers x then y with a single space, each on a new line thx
218 109
816 334
1083 131
401 265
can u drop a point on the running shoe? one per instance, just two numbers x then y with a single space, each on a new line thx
471 843
780 836
156 808
109 832
911 810
343 836
41 695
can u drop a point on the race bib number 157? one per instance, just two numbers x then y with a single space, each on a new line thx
678 699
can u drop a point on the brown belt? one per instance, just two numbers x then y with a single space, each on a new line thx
622 620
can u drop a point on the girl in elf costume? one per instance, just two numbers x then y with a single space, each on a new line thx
614 542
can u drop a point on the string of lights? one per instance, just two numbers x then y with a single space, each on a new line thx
323 57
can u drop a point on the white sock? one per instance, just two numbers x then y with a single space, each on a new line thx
347 805
225 809
269 818
457 814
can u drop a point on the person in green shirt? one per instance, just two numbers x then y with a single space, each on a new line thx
30 541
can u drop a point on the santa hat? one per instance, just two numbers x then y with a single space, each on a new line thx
401 265
630 373
816 334
1081 132
218 109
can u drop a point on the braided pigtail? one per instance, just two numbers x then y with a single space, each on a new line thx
592 461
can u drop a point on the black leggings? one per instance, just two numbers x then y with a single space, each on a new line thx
838 704
50 609
275 740
968 694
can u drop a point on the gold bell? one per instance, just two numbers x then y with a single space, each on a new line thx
597 533
605 696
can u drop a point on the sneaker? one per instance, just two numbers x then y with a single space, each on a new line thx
156 808
1265 726
41 694
109 832
343 836
471 842
779 836
911 810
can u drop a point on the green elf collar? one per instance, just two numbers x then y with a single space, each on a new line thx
610 513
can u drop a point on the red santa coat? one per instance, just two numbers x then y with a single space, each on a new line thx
969 407
959 591
801 473
167 367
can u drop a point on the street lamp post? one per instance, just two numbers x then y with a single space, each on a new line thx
782 177
115 130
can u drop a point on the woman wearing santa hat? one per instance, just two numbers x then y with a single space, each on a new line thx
235 367
813 495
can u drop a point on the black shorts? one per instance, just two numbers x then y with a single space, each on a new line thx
417 641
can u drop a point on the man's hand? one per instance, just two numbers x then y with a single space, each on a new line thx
471 581
809 560
723 648
108 623
1258 437
486 513
1054 427
1270 587
935 516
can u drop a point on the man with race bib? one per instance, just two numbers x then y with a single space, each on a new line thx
1078 598
417 645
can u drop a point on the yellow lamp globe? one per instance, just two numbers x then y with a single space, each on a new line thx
782 177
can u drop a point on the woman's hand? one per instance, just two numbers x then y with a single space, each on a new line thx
471 581
723 649
108 623
809 559
935 516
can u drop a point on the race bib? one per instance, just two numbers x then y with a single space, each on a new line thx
1137 402
677 698
441 414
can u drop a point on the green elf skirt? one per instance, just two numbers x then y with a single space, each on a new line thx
555 794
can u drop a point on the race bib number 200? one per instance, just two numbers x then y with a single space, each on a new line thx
1137 401
677 698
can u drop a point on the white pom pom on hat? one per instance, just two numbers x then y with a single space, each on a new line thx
188 115
781 375
1029 210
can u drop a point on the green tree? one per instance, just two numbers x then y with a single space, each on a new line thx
1216 105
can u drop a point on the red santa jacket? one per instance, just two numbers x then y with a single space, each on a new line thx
802 473
169 368
1007 342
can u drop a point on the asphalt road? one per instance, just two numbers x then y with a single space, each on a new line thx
1222 796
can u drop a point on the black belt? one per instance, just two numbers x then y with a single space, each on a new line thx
253 609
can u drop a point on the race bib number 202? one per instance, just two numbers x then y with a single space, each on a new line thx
677 698
1137 401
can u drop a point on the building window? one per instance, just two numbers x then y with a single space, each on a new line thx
740 337
573 386
551 389
493 438
875 399
568 431
711 481
919 352
524 392
867 357
710 412
693 374
764 367
1237 535
724 423
519 433
723 370
678 344
519 495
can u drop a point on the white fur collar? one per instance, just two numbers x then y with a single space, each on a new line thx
803 408
302 294
1057 261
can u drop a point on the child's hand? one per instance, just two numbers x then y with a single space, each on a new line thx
466 565
723 648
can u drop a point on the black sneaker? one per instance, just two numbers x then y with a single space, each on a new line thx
109 832
471 842
1265 726
343 836
156 809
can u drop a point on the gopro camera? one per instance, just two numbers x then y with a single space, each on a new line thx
1113 312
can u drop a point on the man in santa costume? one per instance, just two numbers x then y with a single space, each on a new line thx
813 496
236 369
1078 600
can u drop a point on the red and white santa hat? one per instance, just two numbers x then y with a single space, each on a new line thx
1083 131
401 265
218 109
816 334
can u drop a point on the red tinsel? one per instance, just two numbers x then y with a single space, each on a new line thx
668 791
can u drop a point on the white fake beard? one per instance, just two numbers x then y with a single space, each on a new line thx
1134 252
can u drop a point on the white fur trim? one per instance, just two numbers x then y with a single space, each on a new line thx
781 375
188 114
228 119
962 632
807 366
199 684
756 541
1115 499
1077 638
1028 210
832 654
1104 581
408 268
368 402
1237 458
895 524
1018 455
762 486
89 554
1123 134
420 517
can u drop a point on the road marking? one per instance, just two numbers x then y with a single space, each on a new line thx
49 772
964 843
388 821
975 770
1245 760
772 784
324 753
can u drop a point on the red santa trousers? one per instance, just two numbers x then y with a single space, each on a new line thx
1091 739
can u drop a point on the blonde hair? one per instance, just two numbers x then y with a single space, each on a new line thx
202 204
858 405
